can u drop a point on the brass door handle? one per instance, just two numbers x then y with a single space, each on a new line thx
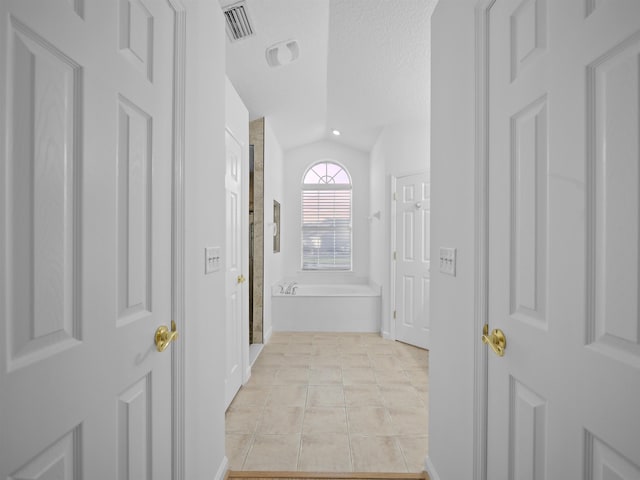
497 341
164 336
241 279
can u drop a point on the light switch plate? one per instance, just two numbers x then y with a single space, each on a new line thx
448 261
211 260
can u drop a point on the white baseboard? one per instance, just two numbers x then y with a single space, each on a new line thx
267 335
222 469
430 469
386 335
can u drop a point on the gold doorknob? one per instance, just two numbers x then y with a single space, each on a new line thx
241 279
164 336
497 341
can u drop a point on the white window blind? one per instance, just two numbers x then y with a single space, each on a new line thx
326 223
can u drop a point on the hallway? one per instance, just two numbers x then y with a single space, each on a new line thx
331 402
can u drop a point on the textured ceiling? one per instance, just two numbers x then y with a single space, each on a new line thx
363 65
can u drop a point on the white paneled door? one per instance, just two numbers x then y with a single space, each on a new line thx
86 94
412 260
564 236
235 280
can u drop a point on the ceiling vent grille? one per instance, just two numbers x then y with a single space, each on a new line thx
238 24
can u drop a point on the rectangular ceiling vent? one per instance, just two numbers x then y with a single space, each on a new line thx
238 24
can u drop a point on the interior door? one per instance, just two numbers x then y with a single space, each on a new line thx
85 227
564 196
412 260
235 278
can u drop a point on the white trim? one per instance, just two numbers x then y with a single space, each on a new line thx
222 469
267 335
481 283
391 333
430 469
178 240
326 160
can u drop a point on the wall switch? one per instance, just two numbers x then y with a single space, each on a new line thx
448 261
211 260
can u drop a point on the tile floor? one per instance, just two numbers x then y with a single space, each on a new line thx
332 402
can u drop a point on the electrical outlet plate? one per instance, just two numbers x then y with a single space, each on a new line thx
448 261
211 260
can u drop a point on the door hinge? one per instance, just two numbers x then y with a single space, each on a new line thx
394 196
394 314
394 256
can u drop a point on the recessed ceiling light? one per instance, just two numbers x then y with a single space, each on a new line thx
336 132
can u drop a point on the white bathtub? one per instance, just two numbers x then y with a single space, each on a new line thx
326 308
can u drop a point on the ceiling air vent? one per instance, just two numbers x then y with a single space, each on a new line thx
238 24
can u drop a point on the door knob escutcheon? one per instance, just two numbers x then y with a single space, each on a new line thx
497 341
164 336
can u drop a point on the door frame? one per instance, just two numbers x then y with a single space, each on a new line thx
393 225
481 229
178 354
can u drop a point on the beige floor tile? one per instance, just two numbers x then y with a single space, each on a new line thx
324 420
299 348
381 349
273 452
357 375
296 360
401 395
391 377
363 395
275 348
325 452
281 420
374 339
351 339
369 421
385 362
414 449
255 396
376 454
350 360
354 348
326 349
243 419
326 339
269 359
417 376
409 421
301 385
262 376
287 395
325 375
292 375
325 396
279 338
236 448
325 360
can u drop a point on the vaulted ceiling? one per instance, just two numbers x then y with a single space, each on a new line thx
363 64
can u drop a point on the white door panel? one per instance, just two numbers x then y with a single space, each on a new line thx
412 260
564 196
85 222
234 267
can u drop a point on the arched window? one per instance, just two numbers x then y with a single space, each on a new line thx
326 218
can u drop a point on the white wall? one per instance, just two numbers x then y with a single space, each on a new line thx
273 190
204 215
401 149
296 163
451 372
